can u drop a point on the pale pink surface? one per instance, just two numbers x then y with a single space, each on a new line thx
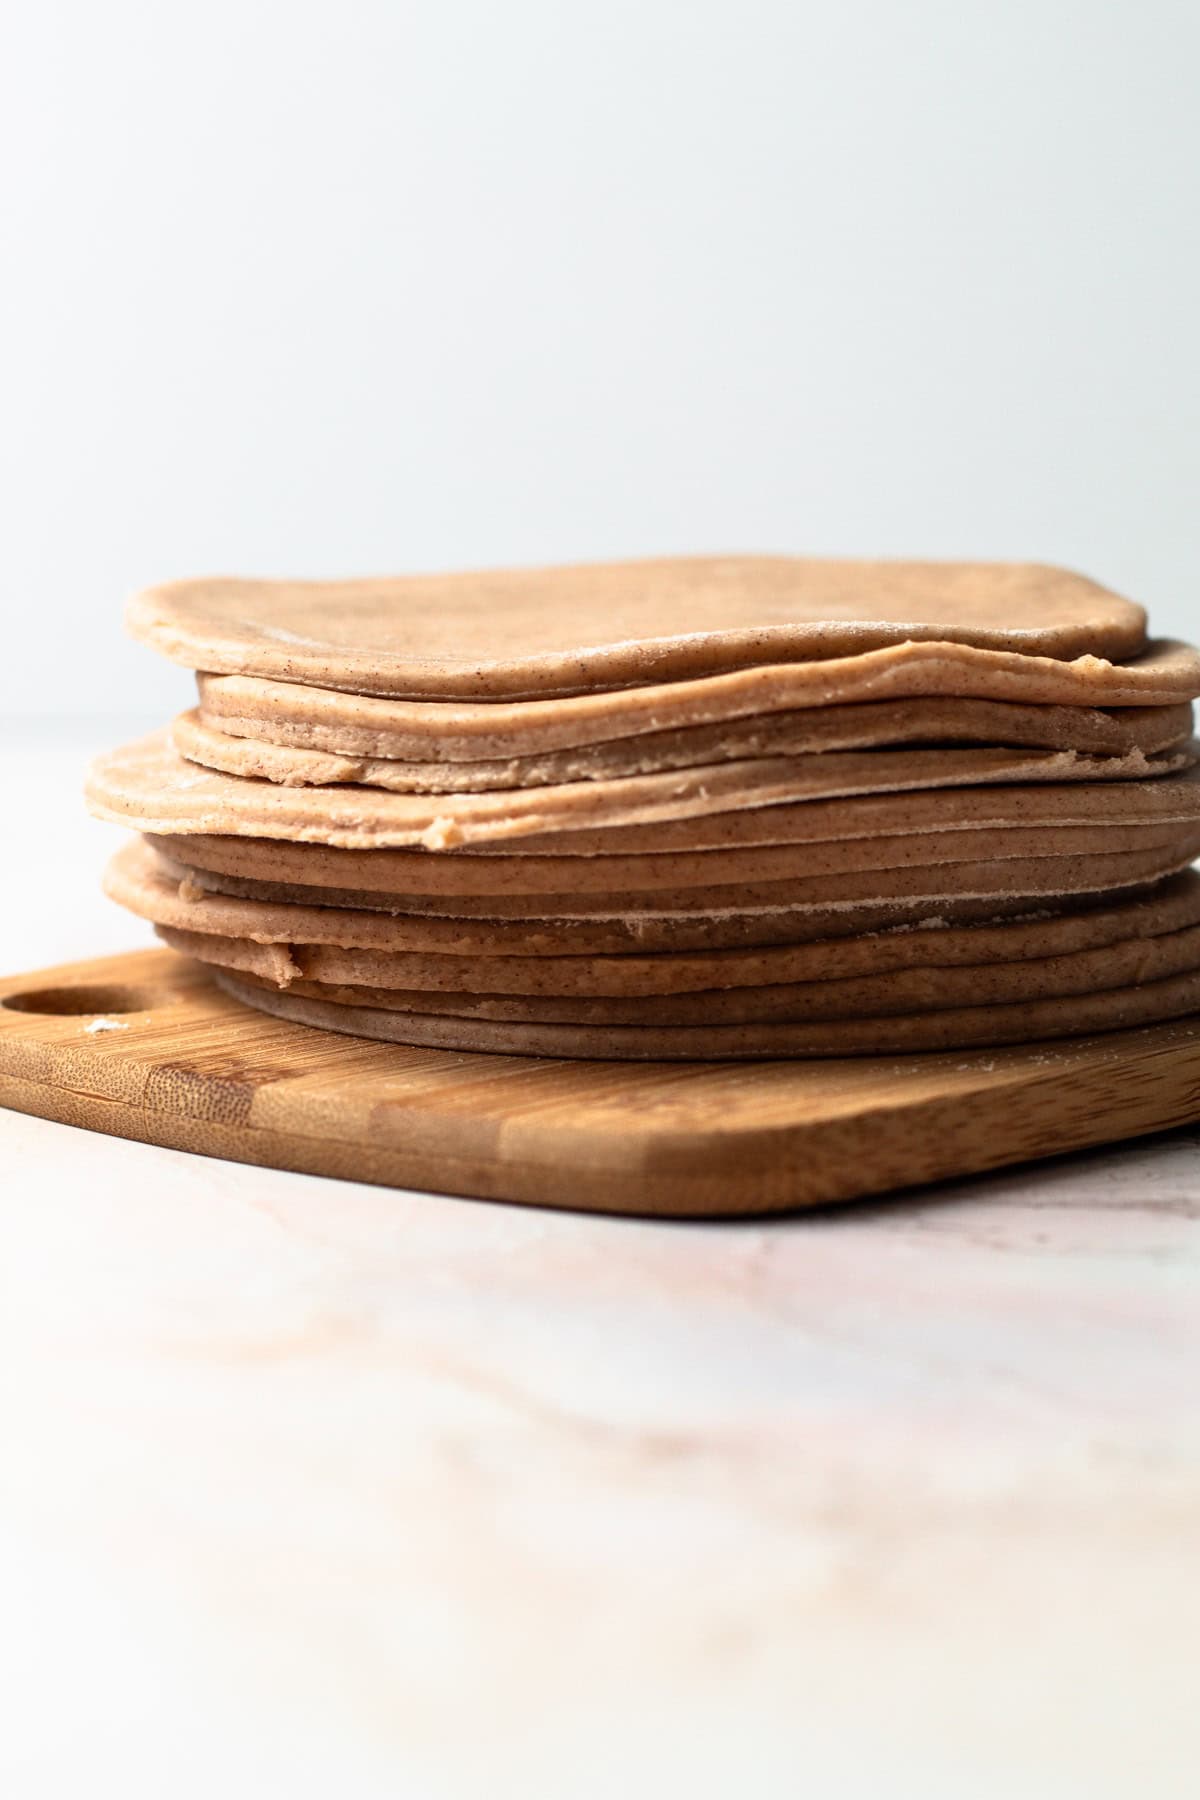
433 1492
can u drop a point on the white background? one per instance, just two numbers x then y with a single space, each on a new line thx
360 287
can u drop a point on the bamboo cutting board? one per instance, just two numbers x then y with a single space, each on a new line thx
145 1046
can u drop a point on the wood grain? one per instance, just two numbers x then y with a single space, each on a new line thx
182 1065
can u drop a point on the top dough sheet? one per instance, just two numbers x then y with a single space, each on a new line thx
529 633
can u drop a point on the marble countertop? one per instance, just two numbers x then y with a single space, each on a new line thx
315 1488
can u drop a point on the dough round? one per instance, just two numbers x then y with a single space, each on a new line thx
946 724
322 753
536 632
953 1028
998 880
373 978
149 786
137 880
1164 675
418 873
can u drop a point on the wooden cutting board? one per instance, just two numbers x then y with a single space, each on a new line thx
145 1046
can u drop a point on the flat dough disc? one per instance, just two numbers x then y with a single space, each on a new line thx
1025 1021
895 972
137 879
342 977
637 932
308 717
998 880
150 787
879 724
520 632
414 873
1172 800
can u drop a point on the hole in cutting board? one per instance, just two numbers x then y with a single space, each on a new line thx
77 1002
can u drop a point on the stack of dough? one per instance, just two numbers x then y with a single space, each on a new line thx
709 808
